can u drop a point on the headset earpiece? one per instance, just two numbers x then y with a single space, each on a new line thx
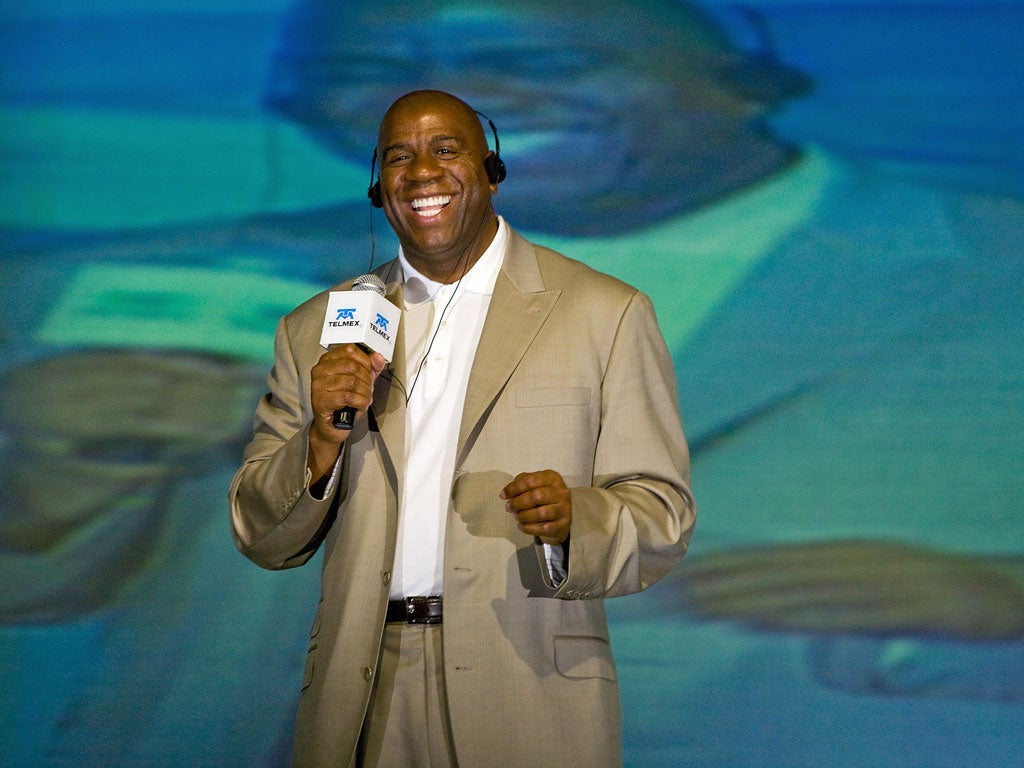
495 169
374 194
493 163
373 191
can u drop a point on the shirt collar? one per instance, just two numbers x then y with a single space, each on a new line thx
480 278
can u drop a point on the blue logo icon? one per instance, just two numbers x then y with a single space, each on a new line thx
382 321
346 313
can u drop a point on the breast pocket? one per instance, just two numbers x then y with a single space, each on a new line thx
564 423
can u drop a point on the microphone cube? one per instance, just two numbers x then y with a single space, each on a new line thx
361 317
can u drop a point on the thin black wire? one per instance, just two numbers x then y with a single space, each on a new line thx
433 336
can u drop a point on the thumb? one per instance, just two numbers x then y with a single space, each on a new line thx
377 363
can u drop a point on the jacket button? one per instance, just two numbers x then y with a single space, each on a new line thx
368 674
385 578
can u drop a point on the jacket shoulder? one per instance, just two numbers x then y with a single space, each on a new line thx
559 272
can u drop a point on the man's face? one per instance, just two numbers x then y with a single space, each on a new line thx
434 185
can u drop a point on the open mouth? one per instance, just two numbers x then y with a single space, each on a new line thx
428 207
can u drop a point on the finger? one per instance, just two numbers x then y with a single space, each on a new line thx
346 358
530 499
553 531
378 364
542 513
357 397
526 481
340 373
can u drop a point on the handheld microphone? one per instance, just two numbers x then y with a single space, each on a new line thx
360 316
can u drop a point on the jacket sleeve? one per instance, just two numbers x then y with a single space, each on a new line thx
275 521
634 523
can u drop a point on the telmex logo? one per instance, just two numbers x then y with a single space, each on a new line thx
382 321
346 313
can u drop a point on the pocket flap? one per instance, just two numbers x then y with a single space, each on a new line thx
582 657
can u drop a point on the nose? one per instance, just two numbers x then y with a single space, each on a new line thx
424 167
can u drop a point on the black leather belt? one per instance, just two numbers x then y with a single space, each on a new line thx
415 610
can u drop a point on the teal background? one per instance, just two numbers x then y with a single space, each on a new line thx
824 200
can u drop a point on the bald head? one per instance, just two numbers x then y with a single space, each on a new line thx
418 103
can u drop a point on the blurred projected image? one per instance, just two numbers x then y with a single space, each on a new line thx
617 115
824 202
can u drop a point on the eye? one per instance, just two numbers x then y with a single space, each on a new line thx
396 158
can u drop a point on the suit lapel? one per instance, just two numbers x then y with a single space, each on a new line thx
519 307
389 389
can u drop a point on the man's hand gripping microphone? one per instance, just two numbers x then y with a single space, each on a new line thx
360 316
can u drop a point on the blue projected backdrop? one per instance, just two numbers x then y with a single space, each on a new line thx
825 200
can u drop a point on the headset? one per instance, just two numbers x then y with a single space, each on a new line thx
493 165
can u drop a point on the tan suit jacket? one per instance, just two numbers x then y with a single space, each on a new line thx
571 374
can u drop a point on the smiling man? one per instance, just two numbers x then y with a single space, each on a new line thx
434 184
521 459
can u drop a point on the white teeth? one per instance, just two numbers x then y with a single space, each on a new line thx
436 202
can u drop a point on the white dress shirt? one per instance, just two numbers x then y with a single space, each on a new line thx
443 325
